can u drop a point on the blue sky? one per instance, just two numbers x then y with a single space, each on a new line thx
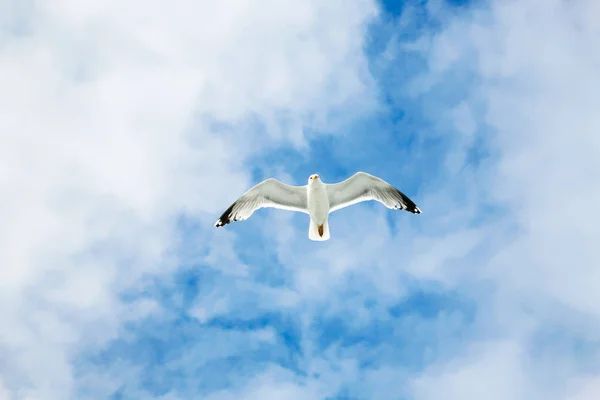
148 122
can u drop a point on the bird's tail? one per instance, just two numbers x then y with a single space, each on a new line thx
318 232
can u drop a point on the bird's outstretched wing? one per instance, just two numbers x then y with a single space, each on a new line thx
268 193
362 187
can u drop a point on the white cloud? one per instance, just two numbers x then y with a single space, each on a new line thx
493 372
531 98
108 132
273 384
534 71
112 113
586 390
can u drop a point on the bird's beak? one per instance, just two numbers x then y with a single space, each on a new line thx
316 176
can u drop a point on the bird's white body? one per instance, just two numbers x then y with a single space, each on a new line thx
318 209
317 199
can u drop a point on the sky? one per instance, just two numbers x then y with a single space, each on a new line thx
126 129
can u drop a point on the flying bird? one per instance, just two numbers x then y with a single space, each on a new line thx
317 199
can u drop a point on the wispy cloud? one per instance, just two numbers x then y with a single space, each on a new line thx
127 127
530 99
116 119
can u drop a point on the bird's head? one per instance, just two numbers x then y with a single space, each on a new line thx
313 178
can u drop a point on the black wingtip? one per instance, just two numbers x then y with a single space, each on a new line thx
410 205
225 218
220 223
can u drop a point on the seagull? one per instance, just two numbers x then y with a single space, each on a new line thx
317 199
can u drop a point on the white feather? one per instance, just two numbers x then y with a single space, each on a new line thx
268 193
363 187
